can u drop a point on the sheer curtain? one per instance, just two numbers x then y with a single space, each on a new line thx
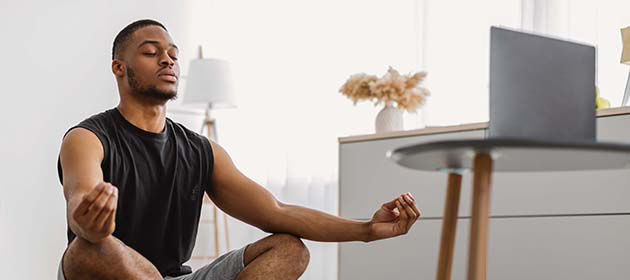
456 55
594 22
289 59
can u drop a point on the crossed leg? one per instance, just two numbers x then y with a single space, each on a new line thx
109 259
278 256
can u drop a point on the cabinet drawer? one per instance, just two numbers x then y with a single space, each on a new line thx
367 178
593 247
575 192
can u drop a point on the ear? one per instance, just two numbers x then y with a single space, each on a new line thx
118 68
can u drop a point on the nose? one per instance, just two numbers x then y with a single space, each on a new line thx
166 60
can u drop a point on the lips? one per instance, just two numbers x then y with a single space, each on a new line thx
169 78
167 75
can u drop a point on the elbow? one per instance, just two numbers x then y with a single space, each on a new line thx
266 227
269 228
273 222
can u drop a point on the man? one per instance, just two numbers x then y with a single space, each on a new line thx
134 183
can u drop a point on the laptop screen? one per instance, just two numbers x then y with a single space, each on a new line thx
541 88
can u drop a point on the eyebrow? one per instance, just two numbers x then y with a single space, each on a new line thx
155 43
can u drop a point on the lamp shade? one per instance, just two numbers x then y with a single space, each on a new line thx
210 84
625 37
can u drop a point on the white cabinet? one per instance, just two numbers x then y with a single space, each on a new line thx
546 225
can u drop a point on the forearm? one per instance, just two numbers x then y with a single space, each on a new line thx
316 225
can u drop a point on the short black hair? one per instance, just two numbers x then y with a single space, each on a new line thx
124 34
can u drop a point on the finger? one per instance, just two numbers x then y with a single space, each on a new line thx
390 205
415 209
412 203
412 198
108 209
413 217
95 209
404 217
110 223
87 200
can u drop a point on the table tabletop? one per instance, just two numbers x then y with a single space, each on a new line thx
513 155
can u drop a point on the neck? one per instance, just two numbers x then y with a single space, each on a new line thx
148 117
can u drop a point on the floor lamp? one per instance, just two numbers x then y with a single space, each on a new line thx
209 84
625 59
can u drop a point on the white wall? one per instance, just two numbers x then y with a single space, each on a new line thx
55 72
289 59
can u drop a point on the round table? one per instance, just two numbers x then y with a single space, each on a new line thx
482 157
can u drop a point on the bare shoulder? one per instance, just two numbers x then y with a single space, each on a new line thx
82 142
221 156
224 170
217 150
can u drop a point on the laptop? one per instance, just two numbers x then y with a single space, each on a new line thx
541 88
542 113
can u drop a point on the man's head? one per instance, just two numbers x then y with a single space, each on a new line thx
144 61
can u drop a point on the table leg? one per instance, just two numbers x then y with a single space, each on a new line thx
449 226
477 250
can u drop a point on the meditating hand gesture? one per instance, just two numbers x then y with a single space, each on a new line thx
394 218
95 216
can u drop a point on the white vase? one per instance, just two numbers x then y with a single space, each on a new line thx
389 118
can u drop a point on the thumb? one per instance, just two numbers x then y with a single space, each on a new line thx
390 205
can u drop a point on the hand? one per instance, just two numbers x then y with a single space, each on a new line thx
394 218
96 213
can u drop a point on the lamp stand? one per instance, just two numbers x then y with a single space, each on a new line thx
210 126
626 94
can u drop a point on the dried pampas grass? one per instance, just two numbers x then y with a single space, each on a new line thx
404 90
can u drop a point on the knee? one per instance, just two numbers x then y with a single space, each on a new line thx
105 260
84 259
79 258
294 248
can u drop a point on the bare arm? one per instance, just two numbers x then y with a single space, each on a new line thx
247 201
90 202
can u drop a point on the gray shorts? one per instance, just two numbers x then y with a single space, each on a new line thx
226 267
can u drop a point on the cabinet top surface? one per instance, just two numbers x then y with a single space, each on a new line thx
455 128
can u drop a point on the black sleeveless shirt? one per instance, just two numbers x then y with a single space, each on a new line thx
161 178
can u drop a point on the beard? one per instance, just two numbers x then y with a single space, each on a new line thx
150 92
